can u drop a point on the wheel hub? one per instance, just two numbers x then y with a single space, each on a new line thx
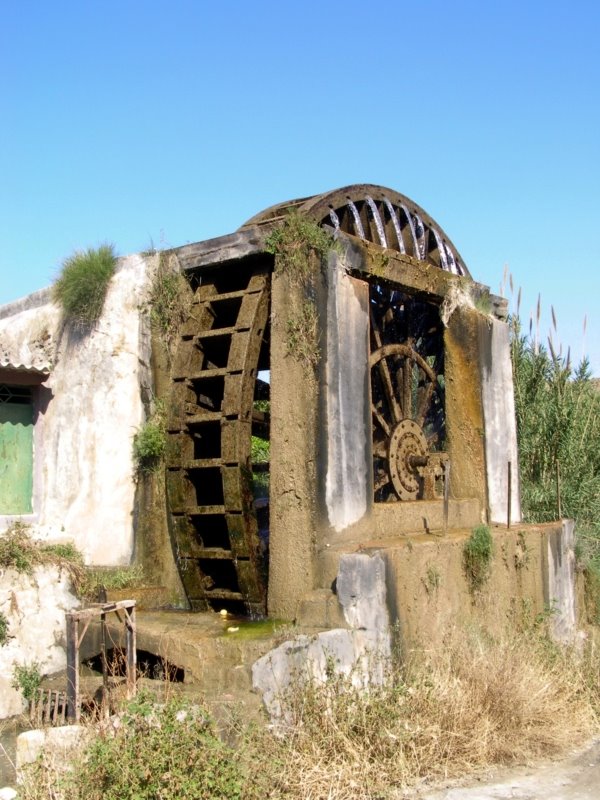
407 452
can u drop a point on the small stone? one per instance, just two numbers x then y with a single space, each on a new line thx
8 793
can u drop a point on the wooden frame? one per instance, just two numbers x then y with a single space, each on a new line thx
75 637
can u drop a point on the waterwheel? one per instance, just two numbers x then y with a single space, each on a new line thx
213 417
407 396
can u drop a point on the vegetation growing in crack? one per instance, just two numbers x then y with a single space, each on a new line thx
295 243
81 287
150 442
20 552
301 247
477 556
170 299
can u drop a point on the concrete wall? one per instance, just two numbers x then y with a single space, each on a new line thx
87 413
35 608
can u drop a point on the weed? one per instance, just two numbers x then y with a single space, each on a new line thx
432 579
476 702
260 450
170 300
167 750
27 679
303 336
301 246
150 442
20 552
4 625
477 556
97 580
294 242
522 552
81 287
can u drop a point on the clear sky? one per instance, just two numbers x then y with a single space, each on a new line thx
171 122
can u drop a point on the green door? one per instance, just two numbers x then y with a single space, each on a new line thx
16 458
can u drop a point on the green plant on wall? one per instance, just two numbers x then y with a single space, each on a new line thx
295 242
150 442
4 625
477 556
301 246
170 300
81 287
27 679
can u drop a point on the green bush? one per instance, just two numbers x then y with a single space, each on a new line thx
150 442
27 679
294 241
477 556
169 751
81 287
20 552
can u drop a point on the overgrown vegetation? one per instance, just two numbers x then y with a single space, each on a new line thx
303 335
27 678
558 427
295 243
170 300
150 442
20 552
475 702
301 247
477 556
81 287
99 579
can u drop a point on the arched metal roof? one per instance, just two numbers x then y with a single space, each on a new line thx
379 215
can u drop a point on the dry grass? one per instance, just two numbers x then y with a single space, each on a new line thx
476 703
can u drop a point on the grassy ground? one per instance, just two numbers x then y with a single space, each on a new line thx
479 701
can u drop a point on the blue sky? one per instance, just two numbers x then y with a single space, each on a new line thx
176 121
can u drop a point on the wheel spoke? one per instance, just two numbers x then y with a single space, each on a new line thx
378 417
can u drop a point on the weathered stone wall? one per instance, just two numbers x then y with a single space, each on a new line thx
87 413
35 607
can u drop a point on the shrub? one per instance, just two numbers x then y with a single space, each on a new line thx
150 442
293 243
20 552
477 556
167 750
169 302
27 679
81 287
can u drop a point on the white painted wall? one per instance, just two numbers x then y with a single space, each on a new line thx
83 482
35 608
348 485
500 422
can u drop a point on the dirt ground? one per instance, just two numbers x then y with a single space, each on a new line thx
576 777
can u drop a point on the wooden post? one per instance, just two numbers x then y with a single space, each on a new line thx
131 651
446 495
104 661
73 710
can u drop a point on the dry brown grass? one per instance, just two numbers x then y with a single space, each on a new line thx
475 703
478 701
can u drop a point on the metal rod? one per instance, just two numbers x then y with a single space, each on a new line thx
509 497
446 494
104 661
558 503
